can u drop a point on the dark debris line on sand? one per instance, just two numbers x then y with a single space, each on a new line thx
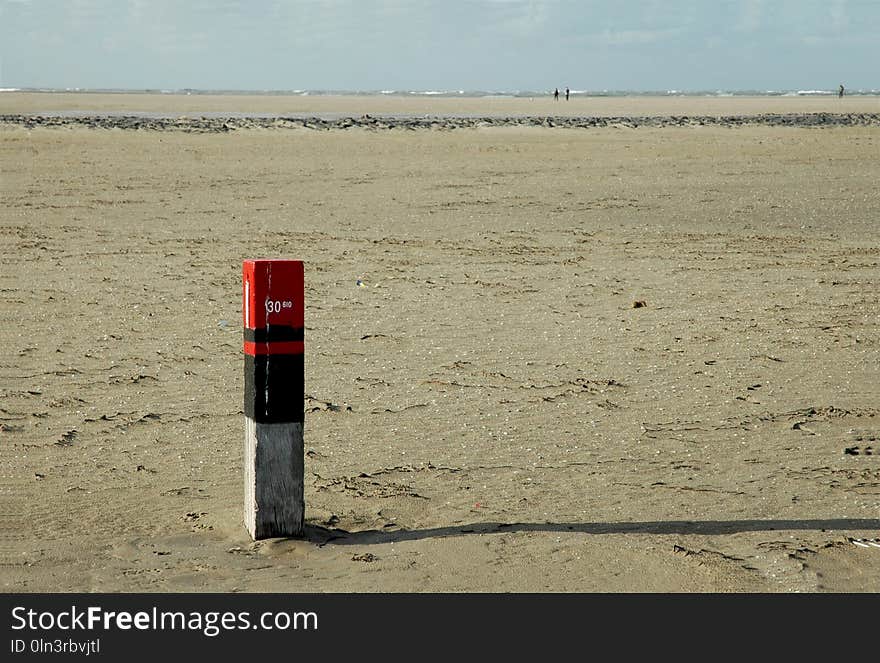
219 125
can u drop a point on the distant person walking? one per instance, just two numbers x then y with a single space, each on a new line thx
840 91
566 94
556 95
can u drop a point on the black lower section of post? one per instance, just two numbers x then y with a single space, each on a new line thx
274 388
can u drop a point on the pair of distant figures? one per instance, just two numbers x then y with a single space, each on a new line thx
840 91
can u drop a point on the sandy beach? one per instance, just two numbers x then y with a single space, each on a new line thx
354 106
604 359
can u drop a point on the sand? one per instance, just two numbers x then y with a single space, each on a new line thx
584 360
442 106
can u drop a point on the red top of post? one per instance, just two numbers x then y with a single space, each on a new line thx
273 306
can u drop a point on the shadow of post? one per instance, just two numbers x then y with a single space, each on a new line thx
323 536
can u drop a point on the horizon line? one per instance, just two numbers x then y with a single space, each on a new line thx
448 92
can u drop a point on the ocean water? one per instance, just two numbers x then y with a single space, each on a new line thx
511 94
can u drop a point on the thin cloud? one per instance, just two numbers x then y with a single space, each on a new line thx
752 16
635 37
519 18
839 15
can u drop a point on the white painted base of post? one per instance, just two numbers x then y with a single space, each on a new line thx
274 503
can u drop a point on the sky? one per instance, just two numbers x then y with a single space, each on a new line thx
491 45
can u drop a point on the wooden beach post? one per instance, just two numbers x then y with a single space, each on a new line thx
274 408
